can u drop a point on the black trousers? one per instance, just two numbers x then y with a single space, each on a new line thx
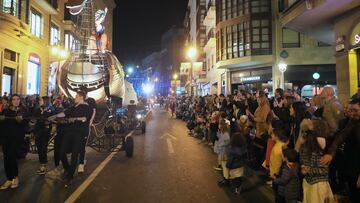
57 145
10 146
42 138
354 191
82 149
71 143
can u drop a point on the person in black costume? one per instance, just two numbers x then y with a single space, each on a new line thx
92 104
42 130
76 130
13 137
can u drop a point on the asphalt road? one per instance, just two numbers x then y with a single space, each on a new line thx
167 166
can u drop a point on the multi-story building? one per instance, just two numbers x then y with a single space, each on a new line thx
250 45
336 23
28 30
194 23
213 74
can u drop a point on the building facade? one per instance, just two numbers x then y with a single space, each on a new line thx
251 43
28 31
336 23
197 30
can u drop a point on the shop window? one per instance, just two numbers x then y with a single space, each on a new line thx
10 55
290 38
7 80
54 35
33 78
36 23
11 7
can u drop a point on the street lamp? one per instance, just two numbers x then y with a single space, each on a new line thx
191 54
130 70
316 76
175 76
282 68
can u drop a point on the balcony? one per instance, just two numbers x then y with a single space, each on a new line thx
209 19
48 5
53 3
315 18
210 40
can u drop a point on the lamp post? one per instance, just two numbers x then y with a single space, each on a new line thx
316 76
191 54
282 68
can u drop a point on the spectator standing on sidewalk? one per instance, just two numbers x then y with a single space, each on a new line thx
316 187
222 149
333 110
288 182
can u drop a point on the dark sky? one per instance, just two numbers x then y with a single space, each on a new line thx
139 24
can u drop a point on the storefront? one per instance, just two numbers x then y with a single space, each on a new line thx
355 51
33 75
309 79
252 80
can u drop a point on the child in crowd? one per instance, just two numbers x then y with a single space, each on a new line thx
236 160
288 182
222 147
316 181
278 135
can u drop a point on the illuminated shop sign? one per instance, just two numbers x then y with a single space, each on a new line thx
34 58
250 78
357 39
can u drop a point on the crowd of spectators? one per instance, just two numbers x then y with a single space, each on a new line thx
309 148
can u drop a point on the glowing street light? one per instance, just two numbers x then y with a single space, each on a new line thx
55 50
282 68
191 53
156 80
148 88
63 54
175 76
130 70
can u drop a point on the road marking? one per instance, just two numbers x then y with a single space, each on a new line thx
168 135
75 195
170 146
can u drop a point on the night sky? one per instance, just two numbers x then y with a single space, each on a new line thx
139 24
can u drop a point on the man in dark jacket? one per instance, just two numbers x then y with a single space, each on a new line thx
350 137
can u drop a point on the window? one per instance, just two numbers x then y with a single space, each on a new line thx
290 38
54 35
323 44
69 39
261 37
36 23
11 7
260 6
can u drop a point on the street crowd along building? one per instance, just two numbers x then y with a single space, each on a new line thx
246 42
29 29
